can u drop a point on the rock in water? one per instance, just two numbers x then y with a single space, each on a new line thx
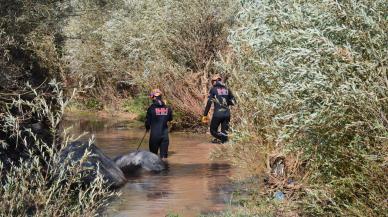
95 161
141 159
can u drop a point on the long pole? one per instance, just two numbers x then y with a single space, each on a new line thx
145 133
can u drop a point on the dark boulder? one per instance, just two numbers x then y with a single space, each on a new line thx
95 162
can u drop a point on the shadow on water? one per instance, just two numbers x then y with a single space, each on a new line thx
192 184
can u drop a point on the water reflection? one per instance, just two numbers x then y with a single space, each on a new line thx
192 184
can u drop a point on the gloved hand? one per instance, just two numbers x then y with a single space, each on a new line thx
205 119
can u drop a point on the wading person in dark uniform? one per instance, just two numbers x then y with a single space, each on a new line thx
222 98
158 114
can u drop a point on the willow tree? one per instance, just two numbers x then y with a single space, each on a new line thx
30 42
311 80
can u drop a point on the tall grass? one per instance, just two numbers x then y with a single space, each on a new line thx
310 77
37 184
36 188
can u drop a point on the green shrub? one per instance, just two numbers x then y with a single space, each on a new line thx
93 104
310 77
172 214
137 105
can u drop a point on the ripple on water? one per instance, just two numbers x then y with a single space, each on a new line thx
192 185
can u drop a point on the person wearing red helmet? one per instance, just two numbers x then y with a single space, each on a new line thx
158 115
222 98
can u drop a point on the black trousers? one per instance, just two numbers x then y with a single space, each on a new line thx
159 141
215 123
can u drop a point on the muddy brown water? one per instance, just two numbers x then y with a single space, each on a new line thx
193 184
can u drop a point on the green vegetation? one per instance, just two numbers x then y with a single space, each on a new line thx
57 191
172 214
28 62
137 105
32 103
312 87
38 184
171 45
93 104
310 79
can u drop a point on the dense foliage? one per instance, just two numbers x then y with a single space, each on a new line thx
141 45
32 104
38 184
29 60
311 80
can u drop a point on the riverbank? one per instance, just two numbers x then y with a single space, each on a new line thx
75 113
130 109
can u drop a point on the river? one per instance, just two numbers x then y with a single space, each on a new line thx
193 184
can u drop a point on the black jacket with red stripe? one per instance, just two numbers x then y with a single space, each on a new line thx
158 114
